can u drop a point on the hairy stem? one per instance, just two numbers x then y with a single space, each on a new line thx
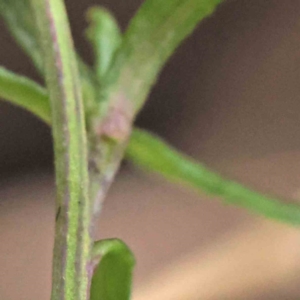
72 239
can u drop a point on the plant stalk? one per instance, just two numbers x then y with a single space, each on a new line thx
71 274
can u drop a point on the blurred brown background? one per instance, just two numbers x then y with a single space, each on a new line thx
230 98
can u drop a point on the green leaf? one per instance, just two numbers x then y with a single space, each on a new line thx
105 36
112 278
23 92
152 36
151 153
19 19
18 16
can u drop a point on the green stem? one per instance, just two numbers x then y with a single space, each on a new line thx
154 33
72 241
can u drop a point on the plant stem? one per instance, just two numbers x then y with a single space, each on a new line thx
72 238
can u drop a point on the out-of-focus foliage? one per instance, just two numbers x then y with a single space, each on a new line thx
21 23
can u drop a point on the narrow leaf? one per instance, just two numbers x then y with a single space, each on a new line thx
105 36
26 93
23 92
112 277
152 36
18 17
151 153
